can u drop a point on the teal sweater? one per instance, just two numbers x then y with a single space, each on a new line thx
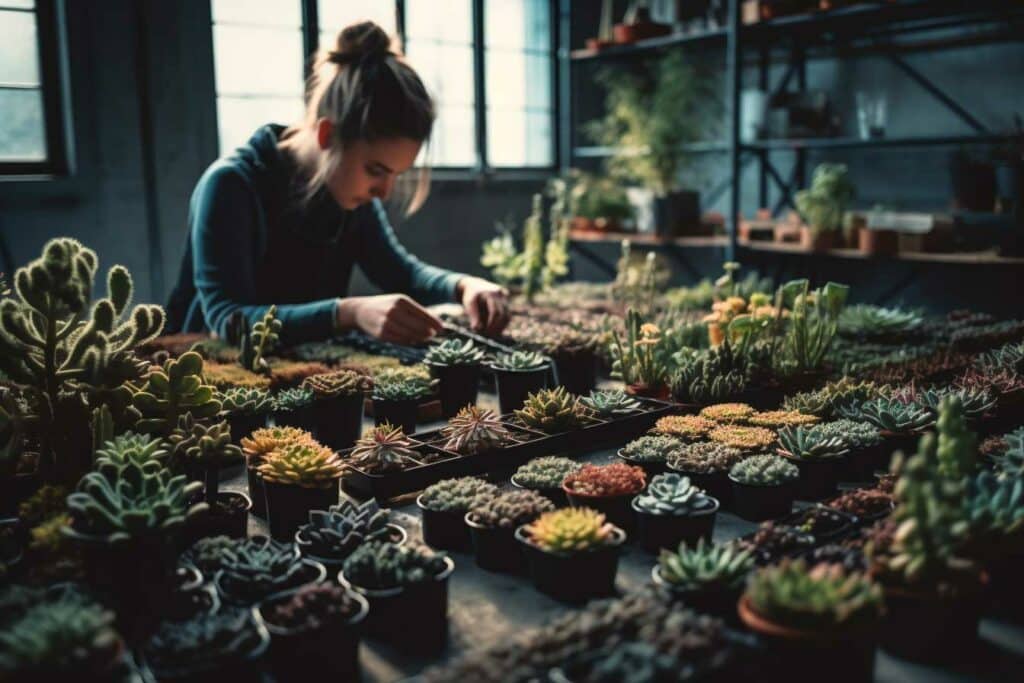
254 241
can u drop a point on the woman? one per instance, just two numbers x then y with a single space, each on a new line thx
284 219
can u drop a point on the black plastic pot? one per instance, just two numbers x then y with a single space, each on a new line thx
758 503
243 425
719 602
677 213
651 468
495 550
457 386
577 371
234 524
515 385
333 564
444 529
330 652
862 463
244 667
300 418
573 577
654 532
338 421
715 484
818 476
396 413
931 629
311 572
393 609
288 506
257 494
617 509
555 495
892 442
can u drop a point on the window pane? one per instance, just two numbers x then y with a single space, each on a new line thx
518 80
519 138
449 21
518 24
335 15
19 58
239 117
453 142
446 70
22 4
252 60
281 13
21 126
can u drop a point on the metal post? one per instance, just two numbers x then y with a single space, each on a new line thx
310 34
480 86
734 66
563 76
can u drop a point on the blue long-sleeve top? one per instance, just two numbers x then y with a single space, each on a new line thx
255 241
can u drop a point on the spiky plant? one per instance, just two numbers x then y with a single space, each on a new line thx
616 479
824 402
889 414
337 384
519 360
810 443
266 440
727 413
545 472
976 401
704 457
510 509
257 567
706 567
764 470
551 411
652 448
673 494
309 465
246 401
857 435
569 530
457 495
452 352
744 438
334 533
171 392
708 378
684 427
475 430
383 449
610 404
776 419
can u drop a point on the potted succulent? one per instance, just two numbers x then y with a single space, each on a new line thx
763 487
545 476
777 419
707 464
609 489
251 570
822 619
297 478
171 391
338 406
456 365
246 409
672 510
708 577
397 394
864 441
294 408
641 359
518 374
775 540
575 359
684 427
996 513
611 404
443 507
826 524
728 413
900 424
258 446
333 534
651 452
493 521
552 411
314 631
752 439
822 207
474 431
403 584
572 553
867 505
818 455
383 449
227 644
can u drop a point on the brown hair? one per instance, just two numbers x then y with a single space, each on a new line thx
365 88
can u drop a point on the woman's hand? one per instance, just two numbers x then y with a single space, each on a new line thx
389 317
486 304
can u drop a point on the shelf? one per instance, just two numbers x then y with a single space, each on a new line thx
987 257
599 152
858 143
649 45
647 239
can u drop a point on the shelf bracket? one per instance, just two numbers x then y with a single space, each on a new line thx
939 94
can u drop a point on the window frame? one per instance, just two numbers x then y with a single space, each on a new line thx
49 32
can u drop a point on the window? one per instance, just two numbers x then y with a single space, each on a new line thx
31 127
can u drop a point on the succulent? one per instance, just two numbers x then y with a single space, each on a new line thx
260 566
293 399
509 509
727 413
652 448
825 401
867 321
609 404
290 374
457 495
266 440
475 430
383 449
173 391
551 411
617 479
312 607
857 435
864 503
258 343
976 401
809 443
386 565
47 502
338 383
545 472
744 438
776 419
403 384
995 506
628 661
705 457
454 352
706 567
307 464
569 530
519 360
210 553
334 533
708 378
1007 357
890 415
673 494
685 427
790 594
230 375
1010 463
206 445
764 470
131 447
201 642
246 401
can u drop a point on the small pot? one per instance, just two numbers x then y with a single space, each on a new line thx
715 484
861 464
818 476
397 413
234 524
257 494
495 550
300 418
515 385
651 468
339 420
824 240
617 509
244 667
573 577
393 609
630 33
718 602
555 494
576 371
288 506
458 386
243 425
659 392
655 532
330 652
444 529
897 441
758 503
334 564
312 572
878 242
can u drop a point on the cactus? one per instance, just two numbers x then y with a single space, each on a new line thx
704 457
776 419
569 530
545 472
255 568
825 401
656 448
641 358
246 401
706 567
810 443
403 384
334 533
202 642
293 399
137 448
173 391
889 414
744 438
611 404
383 449
712 376
551 411
306 464
457 495
519 360
673 494
510 509
264 441
260 342
684 427
475 430
727 413
209 448
764 470
338 384
617 479
378 565
452 352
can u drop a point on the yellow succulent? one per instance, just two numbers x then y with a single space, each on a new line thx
688 427
744 438
306 464
776 419
264 441
569 530
727 413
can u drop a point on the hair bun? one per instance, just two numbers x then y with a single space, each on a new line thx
365 40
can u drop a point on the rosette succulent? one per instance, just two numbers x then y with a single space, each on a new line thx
706 567
403 384
130 447
744 438
569 530
545 472
171 392
383 449
809 443
266 440
776 419
208 554
335 532
457 495
764 470
293 399
825 596
610 404
258 567
519 360
551 411
386 565
653 448
246 401
856 434
510 509
475 430
338 384
307 464
825 401
727 413
867 321
705 457
686 427
182 647
617 479
454 352
673 494
976 401
889 414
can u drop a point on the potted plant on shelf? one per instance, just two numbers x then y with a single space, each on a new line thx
294 408
820 457
672 510
638 25
474 431
338 406
822 619
251 570
687 428
314 631
707 464
708 577
640 360
246 409
456 365
332 535
763 487
297 478
552 411
545 476
258 446
900 424
492 524
443 507
609 489
397 394
572 553
651 452
823 205
383 449
403 584
227 644
517 375
611 404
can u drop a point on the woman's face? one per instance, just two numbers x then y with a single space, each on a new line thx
368 170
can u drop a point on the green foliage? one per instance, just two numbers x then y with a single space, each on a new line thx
706 567
260 342
383 449
545 472
173 391
598 198
639 277
258 567
711 376
825 401
386 565
569 530
551 411
764 470
889 414
641 358
509 509
338 383
865 321
975 401
209 554
456 495
14 420
856 435
454 352
196 644
402 384
995 507
131 447
704 457
308 464
1007 357
811 443
337 531
293 399
651 448
246 401
813 323
207 447
824 203
673 494
519 360
611 403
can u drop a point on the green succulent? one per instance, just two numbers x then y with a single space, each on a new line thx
337 531
705 457
995 506
976 401
545 472
246 401
209 554
307 464
706 567
824 402
708 378
764 470
475 430
1007 357
193 442
673 494
519 360
386 565
402 384
173 391
610 404
509 509
338 383
810 443
1011 462
867 321
454 352
293 399
551 411
260 566
258 343
202 641
456 495
569 530
889 414
653 448
131 447
857 435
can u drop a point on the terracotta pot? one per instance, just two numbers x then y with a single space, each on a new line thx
878 242
823 241
658 391
597 44
630 33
